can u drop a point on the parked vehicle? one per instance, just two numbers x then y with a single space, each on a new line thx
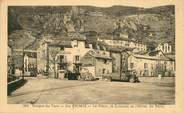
71 75
127 76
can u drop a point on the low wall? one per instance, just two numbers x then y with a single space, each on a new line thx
156 79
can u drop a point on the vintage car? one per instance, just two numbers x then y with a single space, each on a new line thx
127 76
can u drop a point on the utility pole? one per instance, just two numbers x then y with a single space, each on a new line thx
47 62
121 64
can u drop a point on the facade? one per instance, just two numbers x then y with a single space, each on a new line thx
146 65
71 56
30 61
10 61
97 62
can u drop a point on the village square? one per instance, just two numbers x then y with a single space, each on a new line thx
107 68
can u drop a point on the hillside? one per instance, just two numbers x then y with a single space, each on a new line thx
151 25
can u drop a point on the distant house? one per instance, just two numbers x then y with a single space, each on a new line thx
170 56
97 62
122 41
9 59
30 61
165 47
146 65
149 64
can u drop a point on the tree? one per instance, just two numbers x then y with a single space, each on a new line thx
53 51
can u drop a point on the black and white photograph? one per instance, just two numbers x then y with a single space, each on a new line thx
86 54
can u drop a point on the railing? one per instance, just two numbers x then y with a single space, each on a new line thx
63 61
76 61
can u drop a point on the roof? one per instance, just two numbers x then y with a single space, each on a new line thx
87 65
98 45
121 38
64 52
153 53
97 55
60 43
34 46
106 36
118 49
103 57
171 56
141 52
31 54
62 37
149 57
77 36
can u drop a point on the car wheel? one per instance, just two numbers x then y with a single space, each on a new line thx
132 80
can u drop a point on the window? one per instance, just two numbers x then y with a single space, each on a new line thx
126 43
169 48
103 71
105 61
131 65
61 58
98 47
75 43
90 46
77 58
123 57
145 65
166 49
62 48
123 63
152 66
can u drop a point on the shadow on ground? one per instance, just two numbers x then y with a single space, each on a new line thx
15 85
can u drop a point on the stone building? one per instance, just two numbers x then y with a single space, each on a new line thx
97 62
146 65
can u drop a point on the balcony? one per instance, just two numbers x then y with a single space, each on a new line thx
77 62
62 61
